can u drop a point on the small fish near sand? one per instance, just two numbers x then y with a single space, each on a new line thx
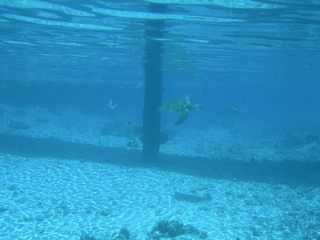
193 198
182 106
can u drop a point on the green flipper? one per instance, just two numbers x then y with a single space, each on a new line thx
182 118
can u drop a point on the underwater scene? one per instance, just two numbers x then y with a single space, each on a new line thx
159 120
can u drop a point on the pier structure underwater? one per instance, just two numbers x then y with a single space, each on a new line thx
154 30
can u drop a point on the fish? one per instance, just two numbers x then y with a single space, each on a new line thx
193 198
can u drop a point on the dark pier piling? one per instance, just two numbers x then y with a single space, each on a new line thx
154 29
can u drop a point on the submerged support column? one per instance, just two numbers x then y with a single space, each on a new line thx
153 84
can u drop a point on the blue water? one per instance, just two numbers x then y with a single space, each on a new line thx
253 66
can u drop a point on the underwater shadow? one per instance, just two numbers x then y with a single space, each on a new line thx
293 173
55 148
285 172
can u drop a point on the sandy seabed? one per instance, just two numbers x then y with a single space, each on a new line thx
53 198
61 199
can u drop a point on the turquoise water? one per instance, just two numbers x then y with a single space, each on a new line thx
72 87
259 55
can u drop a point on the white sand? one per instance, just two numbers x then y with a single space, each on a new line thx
45 198
211 142
60 199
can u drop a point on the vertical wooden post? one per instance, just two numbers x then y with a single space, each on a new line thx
153 84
